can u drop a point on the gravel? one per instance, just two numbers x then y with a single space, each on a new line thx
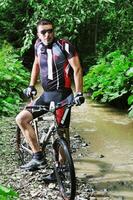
28 184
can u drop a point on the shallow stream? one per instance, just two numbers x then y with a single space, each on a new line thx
108 161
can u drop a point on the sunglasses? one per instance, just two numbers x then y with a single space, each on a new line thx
43 32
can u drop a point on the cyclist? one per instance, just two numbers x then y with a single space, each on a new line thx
54 60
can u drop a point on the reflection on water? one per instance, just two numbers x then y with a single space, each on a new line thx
110 133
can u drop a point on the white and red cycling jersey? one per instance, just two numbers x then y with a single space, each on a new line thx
55 71
55 74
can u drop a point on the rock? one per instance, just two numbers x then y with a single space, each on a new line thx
51 186
84 145
101 156
76 136
35 193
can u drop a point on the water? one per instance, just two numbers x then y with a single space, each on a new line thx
109 133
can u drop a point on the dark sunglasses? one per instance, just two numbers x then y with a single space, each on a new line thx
46 31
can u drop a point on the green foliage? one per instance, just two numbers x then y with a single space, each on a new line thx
13 78
90 24
111 78
18 18
116 25
7 193
95 27
13 19
66 15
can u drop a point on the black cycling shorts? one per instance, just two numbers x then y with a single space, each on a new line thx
56 96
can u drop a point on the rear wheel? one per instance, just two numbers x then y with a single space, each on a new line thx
64 169
24 150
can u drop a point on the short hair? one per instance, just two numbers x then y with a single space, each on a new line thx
44 22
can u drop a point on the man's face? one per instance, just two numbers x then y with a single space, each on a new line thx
46 33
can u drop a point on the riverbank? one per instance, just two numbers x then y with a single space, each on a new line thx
28 184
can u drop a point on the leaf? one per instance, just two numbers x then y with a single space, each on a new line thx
130 100
4 191
10 100
130 72
130 114
108 1
7 77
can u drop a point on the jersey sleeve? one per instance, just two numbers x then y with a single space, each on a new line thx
69 49
37 47
35 50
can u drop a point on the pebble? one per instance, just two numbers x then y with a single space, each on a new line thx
84 145
51 186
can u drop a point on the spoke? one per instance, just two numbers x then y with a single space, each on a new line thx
26 149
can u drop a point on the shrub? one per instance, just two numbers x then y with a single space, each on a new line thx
111 79
13 78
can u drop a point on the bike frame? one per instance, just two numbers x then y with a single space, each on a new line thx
68 102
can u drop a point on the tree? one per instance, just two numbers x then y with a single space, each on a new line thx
96 27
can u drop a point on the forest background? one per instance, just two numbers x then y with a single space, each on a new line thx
101 30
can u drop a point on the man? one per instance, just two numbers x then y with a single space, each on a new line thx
53 61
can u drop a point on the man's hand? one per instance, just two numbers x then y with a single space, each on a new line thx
30 91
79 99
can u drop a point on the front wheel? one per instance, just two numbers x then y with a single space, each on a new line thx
64 169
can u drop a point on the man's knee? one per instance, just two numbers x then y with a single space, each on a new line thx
18 119
23 117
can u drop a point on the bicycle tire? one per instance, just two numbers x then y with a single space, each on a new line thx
23 149
65 171
25 152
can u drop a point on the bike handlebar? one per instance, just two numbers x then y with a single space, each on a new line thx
45 108
68 102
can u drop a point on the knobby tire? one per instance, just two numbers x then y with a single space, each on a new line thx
21 144
65 171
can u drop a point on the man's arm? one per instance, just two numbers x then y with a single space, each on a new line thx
35 72
78 76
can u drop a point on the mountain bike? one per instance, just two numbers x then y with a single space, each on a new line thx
54 145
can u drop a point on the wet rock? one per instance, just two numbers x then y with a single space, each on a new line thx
101 156
84 145
76 136
80 155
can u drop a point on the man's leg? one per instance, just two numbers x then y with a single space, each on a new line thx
23 120
64 126
63 132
